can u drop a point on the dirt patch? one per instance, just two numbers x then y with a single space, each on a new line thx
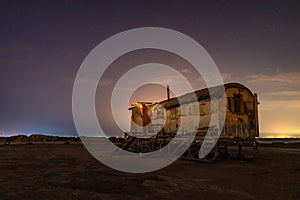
57 171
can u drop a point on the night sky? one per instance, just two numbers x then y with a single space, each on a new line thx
43 44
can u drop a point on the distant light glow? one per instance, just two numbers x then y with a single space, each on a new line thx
282 133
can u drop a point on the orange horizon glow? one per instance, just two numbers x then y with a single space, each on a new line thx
292 133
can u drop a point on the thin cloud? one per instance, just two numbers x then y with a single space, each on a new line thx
227 77
290 93
185 71
106 83
267 105
287 78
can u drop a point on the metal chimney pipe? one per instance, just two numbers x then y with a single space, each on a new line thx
168 92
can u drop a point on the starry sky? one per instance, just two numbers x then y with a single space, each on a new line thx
43 44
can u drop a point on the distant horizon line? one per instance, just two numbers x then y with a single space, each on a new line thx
280 136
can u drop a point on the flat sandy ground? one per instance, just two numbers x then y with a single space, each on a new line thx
57 171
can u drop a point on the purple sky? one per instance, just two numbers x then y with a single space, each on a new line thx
44 42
